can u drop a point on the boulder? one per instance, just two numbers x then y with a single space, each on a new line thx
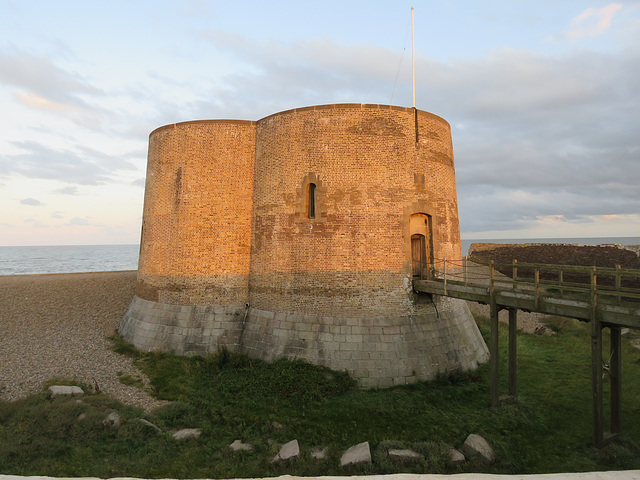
113 420
477 448
360 453
288 451
319 453
185 433
56 390
238 445
456 456
404 455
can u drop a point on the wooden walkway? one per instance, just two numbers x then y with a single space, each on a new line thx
605 297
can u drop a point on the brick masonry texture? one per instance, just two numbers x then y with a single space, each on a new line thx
231 254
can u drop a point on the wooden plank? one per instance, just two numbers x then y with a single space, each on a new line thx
513 351
596 365
494 360
623 315
596 381
615 370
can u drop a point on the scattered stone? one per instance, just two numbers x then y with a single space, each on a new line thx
288 451
277 425
149 424
187 433
113 420
238 445
360 453
319 453
456 456
81 417
477 448
405 455
625 331
56 390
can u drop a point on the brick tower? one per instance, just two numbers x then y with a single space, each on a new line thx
298 236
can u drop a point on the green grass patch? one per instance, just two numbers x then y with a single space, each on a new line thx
231 396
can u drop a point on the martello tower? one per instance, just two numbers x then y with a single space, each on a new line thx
298 236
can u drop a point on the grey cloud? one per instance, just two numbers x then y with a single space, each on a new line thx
77 221
57 215
83 166
70 190
31 201
541 135
38 74
139 182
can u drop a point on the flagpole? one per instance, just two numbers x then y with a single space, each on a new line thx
413 60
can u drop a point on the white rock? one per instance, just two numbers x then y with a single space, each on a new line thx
405 455
287 451
456 456
360 453
238 445
56 390
319 453
187 433
113 420
477 448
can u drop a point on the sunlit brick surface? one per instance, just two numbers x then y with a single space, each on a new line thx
229 255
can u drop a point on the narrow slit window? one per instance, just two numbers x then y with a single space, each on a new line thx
311 201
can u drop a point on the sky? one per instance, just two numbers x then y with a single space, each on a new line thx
543 98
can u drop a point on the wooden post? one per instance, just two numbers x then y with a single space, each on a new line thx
464 265
596 364
618 282
445 276
493 344
537 284
561 282
615 369
513 351
515 273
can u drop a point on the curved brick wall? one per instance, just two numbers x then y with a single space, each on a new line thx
354 257
196 234
227 222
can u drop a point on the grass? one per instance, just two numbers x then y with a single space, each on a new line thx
231 396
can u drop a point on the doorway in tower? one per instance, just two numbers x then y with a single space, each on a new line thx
421 245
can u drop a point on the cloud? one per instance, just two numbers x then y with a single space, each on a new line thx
37 77
70 190
57 215
593 21
543 135
31 201
77 221
139 182
83 165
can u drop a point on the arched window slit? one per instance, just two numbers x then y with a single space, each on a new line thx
311 200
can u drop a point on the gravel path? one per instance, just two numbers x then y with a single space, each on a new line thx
57 326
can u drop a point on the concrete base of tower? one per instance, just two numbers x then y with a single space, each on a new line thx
377 351
183 329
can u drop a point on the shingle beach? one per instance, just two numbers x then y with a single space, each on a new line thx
57 326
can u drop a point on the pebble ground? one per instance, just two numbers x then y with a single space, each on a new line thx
57 326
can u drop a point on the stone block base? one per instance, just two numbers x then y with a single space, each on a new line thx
377 351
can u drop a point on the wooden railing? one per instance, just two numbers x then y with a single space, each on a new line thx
610 285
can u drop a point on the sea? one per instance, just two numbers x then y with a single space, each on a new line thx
109 258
